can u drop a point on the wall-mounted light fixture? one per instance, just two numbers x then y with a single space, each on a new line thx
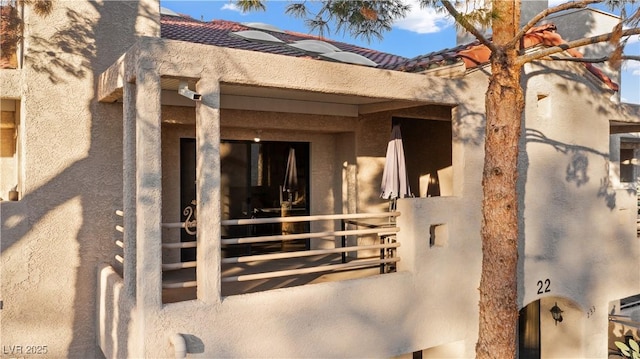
556 313
257 138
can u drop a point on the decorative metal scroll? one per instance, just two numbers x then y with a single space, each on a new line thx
190 222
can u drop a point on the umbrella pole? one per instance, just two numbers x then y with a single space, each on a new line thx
392 204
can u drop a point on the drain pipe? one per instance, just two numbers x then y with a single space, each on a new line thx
179 345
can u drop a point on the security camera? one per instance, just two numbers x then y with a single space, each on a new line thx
183 89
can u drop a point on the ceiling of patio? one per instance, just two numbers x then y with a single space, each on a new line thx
253 97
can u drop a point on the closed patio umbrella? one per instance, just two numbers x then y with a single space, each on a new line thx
395 181
291 175
290 186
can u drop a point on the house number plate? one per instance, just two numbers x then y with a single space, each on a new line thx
544 286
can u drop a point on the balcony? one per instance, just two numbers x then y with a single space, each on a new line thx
304 252
250 279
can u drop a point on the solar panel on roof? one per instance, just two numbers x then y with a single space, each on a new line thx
315 46
262 26
348 57
255 35
165 11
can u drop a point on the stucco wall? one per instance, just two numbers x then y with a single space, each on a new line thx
579 239
71 163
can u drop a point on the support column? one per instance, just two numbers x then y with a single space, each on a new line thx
148 191
129 187
208 190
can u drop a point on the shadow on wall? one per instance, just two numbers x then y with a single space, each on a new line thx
578 164
565 181
546 241
71 57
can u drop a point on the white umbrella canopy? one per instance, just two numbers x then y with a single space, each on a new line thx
395 181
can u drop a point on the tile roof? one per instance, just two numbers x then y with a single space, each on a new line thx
474 54
216 33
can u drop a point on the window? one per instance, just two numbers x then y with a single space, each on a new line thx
628 162
9 150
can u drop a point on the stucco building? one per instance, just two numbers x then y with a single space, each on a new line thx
119 123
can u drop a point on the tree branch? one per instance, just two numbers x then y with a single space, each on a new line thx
631 57
467 26
547 12
591 61
523 59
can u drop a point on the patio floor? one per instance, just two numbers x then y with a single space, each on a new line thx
251 286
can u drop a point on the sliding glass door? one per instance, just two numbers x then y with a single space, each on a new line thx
260 180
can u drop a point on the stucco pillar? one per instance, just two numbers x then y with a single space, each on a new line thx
129 187
148 191
208 190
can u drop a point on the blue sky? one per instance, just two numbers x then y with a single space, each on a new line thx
421 32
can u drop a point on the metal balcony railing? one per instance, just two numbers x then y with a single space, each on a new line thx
295 246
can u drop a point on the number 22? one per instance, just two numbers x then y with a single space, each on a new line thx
544 287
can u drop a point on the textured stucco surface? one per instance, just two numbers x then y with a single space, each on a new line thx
71 163
566 176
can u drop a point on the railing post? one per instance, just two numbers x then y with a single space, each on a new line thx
344 241
382 265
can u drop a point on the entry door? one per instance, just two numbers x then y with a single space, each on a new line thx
529 331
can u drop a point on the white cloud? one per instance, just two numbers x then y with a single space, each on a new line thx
632 48
632 67
231 7
423 20
633 39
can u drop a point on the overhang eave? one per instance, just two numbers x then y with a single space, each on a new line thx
626 119
278 77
